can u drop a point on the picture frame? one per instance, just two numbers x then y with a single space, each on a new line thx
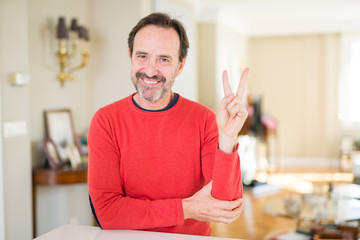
52 154
59 128
74 156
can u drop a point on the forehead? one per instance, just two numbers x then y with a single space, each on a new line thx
157 40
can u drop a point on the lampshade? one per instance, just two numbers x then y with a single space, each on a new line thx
74 26
61 29
86 34
83 33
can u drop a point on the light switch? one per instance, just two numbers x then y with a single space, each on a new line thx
15 129
19 78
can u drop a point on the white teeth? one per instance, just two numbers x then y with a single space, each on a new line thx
150 82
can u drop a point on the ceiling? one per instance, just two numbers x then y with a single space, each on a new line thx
279 17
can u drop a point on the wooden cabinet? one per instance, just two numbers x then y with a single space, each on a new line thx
51 177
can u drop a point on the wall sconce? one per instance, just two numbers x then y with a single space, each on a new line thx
68 45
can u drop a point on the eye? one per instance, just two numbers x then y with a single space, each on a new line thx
141 56
164 60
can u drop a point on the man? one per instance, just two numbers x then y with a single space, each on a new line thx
158 161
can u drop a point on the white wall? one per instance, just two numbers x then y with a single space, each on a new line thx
297 78
231 55
207 64
2 211
16 172
220 48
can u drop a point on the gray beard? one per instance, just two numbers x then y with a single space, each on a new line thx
160 93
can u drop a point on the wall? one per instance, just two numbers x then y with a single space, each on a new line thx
2 204
297 78
232 55
220 48
2 210
16 171
207 64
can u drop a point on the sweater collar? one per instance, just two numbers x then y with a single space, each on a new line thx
170 105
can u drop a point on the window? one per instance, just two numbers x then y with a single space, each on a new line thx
349 82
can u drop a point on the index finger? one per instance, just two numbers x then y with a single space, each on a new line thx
226 84
242 84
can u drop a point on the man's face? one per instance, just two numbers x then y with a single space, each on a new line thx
155 61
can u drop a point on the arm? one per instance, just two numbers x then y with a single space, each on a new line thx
223 177
224 169
113 208
230 119
221 199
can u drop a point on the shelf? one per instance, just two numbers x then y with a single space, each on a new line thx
59 176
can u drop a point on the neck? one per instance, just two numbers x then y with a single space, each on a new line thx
160 104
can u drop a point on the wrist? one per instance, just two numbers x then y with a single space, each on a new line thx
227 144
185 206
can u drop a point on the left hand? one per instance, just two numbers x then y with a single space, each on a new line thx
203 207
231 113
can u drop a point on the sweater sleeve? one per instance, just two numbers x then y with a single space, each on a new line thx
113 209
222 168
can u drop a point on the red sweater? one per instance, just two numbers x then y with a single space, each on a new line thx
141 164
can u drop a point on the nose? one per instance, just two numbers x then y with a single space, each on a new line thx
150 68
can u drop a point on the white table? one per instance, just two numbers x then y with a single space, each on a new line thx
77 232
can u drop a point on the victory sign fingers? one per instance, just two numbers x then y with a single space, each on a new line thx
232 112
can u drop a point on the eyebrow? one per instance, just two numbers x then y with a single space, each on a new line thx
166 56
145 53
140 52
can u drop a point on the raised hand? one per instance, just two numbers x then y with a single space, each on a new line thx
231 113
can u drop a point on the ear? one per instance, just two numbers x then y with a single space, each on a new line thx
129 52
181 66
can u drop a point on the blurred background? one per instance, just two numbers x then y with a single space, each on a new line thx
303 88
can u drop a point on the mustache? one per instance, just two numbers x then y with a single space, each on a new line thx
156 77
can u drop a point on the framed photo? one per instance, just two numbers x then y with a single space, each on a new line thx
74 155
52 154
60 129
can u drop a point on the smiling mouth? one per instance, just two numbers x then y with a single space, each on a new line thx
150 80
